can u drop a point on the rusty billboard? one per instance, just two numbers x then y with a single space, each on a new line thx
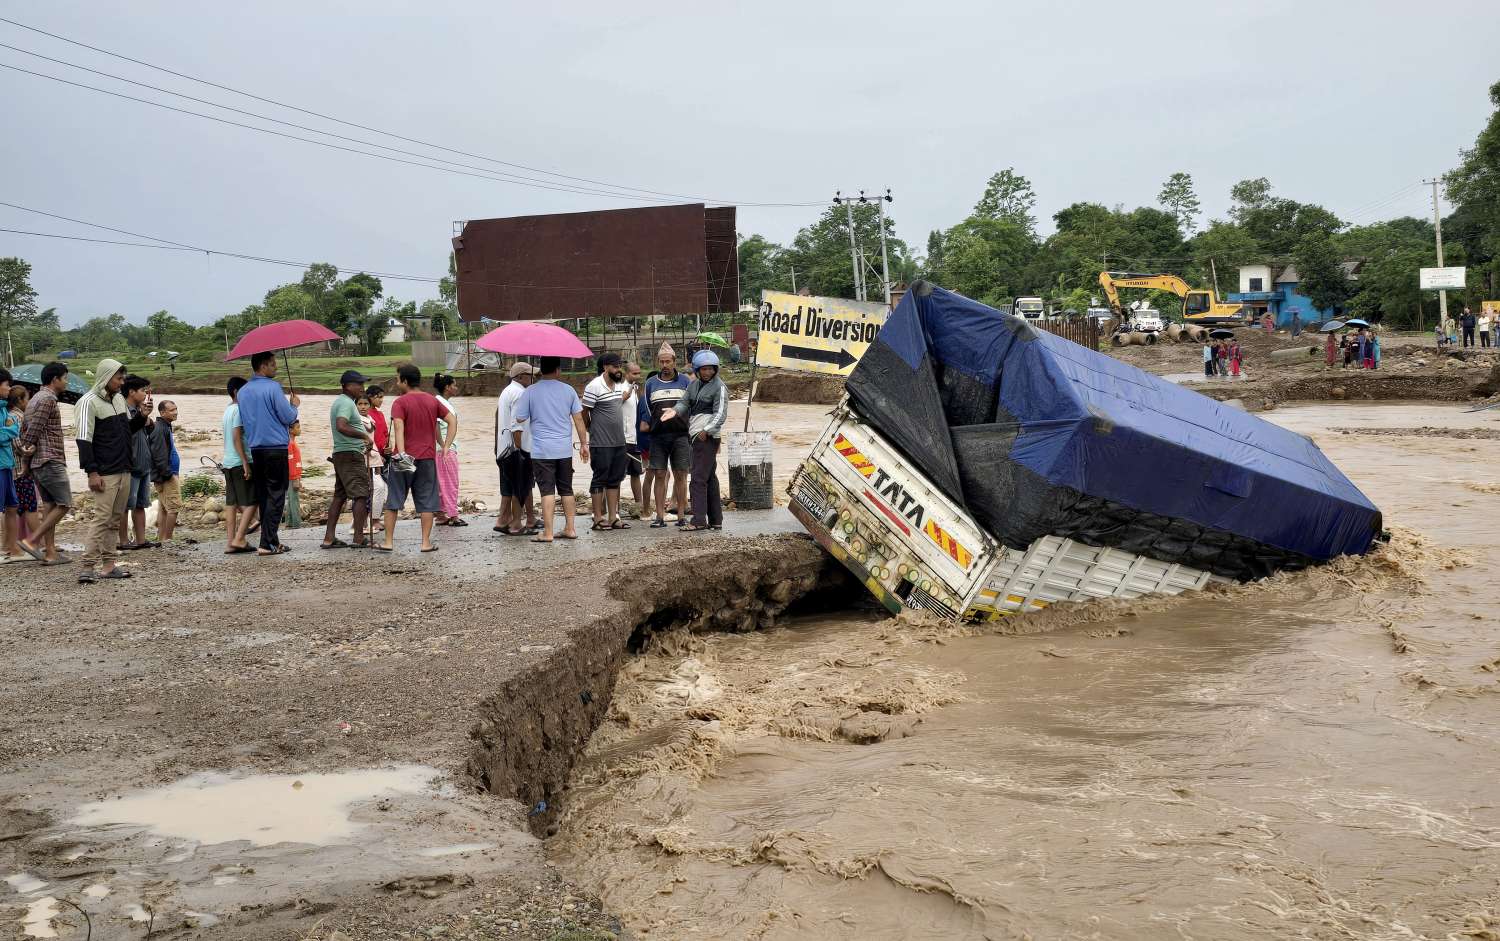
614 263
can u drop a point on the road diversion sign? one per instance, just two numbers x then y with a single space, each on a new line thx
816 334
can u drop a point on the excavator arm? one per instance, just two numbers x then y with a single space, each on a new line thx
1199 305
1112 281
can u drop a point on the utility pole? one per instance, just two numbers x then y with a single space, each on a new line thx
794 278
885 263
1437 223
859 278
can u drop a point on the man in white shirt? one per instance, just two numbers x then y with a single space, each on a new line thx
633 463
514 462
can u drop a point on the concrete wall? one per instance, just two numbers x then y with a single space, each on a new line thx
1255 271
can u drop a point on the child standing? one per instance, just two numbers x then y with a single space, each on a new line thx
10 430
1234 359
28 511
374 395
374 462
294 478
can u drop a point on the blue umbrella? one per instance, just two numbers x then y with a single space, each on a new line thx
1331 326
1356 322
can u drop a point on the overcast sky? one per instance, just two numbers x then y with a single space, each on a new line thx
1347 104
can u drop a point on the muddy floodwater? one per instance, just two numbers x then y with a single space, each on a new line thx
1313 756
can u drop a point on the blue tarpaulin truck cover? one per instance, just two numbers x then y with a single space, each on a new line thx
1037 435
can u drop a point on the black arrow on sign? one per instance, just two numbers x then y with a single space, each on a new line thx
840 358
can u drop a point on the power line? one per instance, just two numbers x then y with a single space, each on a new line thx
302 127
485 175
53 215
392 134
169 245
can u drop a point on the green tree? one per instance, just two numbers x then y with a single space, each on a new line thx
166 330
1247 196
1179 200
1008 197
17 298
443 316
1219 250
986 259
820 252
448 285
761 268
320 287
1474 189
932 264
354 305
1319 274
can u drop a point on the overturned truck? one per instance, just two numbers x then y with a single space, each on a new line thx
978 466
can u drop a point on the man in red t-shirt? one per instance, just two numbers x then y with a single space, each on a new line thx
414 418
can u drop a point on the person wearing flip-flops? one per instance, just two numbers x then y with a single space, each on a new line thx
40 448
10 501
705 404
448 464
554 413
413 470
352 443
104 431
603 403
513 456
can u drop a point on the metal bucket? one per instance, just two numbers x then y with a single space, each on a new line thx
750 470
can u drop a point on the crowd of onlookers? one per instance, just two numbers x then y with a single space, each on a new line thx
663 434
660 432
125 447
1469 325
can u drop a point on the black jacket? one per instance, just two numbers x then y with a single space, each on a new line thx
105 430
161 451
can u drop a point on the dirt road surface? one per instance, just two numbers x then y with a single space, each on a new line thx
350 686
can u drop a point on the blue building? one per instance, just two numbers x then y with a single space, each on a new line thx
1273 289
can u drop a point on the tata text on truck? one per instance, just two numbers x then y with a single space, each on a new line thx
979 466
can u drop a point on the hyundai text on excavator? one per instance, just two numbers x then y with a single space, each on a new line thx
1199 305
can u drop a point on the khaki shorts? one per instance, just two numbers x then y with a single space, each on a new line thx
169 495
351 476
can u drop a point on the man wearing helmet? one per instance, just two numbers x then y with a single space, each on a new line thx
705 405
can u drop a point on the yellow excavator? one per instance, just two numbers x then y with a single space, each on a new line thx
1199 305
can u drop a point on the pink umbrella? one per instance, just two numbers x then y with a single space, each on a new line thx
282 336
529 338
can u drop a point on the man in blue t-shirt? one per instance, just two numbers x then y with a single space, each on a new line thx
553 412
669 439
267 414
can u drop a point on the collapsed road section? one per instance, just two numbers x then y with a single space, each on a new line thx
979 466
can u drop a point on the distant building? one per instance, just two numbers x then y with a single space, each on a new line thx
1273 289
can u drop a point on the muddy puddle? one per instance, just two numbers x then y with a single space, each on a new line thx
214 849
1310 756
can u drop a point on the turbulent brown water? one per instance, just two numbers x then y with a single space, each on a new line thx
1312 756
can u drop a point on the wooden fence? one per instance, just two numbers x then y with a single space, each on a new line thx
1086 332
